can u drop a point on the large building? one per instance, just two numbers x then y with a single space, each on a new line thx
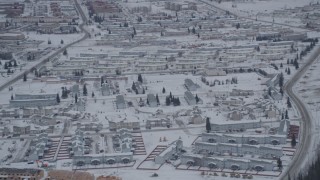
227 163
244 139
33 100
235 126
239 149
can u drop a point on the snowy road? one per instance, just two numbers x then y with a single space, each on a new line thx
47 59
258 20
305 139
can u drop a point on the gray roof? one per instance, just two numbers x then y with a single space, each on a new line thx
120 99
189 95
151 98
189 82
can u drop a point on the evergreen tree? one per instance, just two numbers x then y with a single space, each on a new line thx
168 102
140 78
288 61
65 52
163 90
76 98
293 141
208 125
61 42
58 98
133 87
281 80
281 65
288 72
281 91
85 91
11 96
24 77
49 41
15 63
269 92
287 115
157 97
102 81
92 95
282 116
170 95
289 103
197 98
279 163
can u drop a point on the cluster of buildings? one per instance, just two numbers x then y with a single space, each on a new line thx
122 141
39 146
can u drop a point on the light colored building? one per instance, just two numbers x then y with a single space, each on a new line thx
238 149
157 122
114 126
227 163
173 150
236 126
98 159
243 139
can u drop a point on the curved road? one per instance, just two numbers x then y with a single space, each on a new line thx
45 60
305 140
270 22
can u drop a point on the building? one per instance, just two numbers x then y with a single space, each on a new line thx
120 102
158 122
227 163
114 126
190 85
284 127
170 153
105 89
14 173
79 145
215 72
235 116
39 146
188 96
33 100
238 149
243 139
98 159
12 36
196 119
152 100
33 103
239 92
236 126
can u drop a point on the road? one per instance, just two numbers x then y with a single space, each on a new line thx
244 17
45 60
305 138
